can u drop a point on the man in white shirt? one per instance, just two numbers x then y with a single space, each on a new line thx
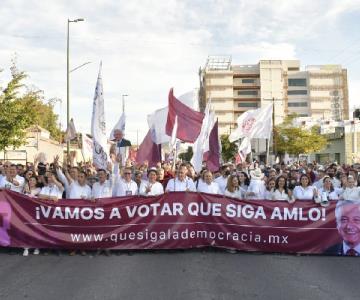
181 183
331 172
319 183
53 189
79 189
208 185
125 186
12 181
102 188
151 187
68 178
222 180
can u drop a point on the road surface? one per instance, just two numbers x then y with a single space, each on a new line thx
191 274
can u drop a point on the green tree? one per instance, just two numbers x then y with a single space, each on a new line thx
228 150
186 156
21 108
298 140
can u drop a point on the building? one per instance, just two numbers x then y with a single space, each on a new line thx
343 140
38 140
320 92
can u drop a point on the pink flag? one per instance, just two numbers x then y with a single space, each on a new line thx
189 120
149 151
212 157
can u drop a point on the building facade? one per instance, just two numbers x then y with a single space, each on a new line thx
320 92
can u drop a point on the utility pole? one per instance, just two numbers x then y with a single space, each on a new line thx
68 79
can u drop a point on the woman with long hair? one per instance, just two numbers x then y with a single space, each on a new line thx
281 191
328 190
270 187
31 187
232 187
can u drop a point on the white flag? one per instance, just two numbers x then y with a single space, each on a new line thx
120 125
191 99
70 132
157 123
86 147
245 146
201 144
254 123
98 128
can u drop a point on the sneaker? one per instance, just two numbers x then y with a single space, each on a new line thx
36 251
83 253
26 252
232 251
72 253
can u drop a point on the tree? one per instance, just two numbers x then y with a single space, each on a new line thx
228 150
298 140
21 108
186 156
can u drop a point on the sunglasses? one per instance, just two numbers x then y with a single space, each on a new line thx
127 173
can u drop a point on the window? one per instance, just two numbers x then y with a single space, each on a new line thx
297 82
247 104
297 92
297 104
293 69
248 80
247 93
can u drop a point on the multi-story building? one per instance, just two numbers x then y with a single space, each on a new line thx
317 91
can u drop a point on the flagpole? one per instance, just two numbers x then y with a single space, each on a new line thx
267 150
175 155
123 102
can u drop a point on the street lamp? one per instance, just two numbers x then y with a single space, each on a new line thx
68 80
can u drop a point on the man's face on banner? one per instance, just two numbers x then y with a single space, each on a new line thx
349 227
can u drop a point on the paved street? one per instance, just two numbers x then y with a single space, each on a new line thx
196 274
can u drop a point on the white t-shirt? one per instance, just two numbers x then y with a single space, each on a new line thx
330 195
336 182
222 182
51 191
78 191
156 188
235 194
102 190
5 184
258 187
123 188
277 195
212 188
301 193
175 185
351 193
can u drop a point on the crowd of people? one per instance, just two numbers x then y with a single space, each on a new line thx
251 181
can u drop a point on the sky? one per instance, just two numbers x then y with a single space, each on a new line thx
147 47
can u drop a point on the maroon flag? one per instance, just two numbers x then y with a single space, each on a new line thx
212 157
189 120
149 151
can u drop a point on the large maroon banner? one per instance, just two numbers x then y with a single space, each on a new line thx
172 221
